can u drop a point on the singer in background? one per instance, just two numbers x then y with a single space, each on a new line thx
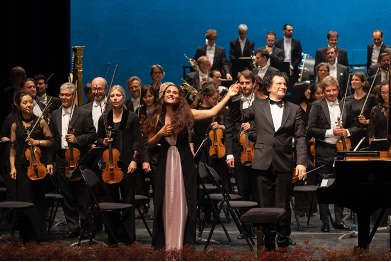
362 103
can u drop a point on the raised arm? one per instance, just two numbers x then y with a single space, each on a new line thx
203 114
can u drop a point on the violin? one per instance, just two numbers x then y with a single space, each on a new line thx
72 155
111 174
343 143
247 155
217 149
36 170
312 150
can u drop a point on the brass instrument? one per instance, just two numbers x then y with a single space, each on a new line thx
76 75
192 62
189 89
253 58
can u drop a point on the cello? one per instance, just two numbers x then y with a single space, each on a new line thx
111 173
72 155
247 155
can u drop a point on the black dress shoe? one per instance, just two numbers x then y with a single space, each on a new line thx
71 235
285 241
325 227
341 226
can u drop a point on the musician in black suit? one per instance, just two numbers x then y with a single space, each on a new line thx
79 120
263 69
337 71
294 57
277 124
244 174
374 50
324 126
195 78
332 39
100 103
216 54
43 97
382 74
277 55
241 47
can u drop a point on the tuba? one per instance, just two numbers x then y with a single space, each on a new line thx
192 62
253 59
76 75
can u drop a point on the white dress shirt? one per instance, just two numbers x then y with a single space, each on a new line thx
375 54
287 49
335 113
333 70
97 110
36 109
276 115
66 118
210 52
242 44
262 71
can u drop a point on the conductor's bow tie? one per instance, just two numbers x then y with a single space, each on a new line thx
278 103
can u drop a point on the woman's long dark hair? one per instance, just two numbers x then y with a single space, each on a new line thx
182 118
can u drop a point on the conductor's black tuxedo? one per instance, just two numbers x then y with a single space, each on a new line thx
273 153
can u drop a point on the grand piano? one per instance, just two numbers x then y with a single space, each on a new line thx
362 183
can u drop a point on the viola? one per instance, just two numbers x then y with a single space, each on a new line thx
343 143
36 170
247 155
217 149
72 155
111 174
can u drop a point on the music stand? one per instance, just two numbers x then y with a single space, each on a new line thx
90 159
378 145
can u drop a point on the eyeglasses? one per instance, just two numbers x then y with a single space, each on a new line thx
66 95
98 88
133 87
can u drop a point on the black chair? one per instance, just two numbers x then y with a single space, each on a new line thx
306 189
139 201
9 209
233 207
99 208
53 201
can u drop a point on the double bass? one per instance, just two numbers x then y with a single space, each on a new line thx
72 155
111 173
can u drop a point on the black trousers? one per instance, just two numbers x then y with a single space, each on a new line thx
274 191
76 197
325 155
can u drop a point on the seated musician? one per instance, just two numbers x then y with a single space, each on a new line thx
324 126
70 117
195 78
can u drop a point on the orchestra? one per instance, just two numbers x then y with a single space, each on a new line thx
333 120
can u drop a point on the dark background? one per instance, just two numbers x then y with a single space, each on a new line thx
36 36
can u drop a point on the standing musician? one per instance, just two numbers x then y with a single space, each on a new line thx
324 126
126 139
212 127
30 131
244 174
72 128
99 105
277 123
362 102
42 85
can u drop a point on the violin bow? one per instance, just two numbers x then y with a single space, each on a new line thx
369 91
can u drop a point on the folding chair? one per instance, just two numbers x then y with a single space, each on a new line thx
102 208
234 207
140 200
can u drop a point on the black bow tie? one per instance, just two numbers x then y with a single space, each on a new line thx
278 103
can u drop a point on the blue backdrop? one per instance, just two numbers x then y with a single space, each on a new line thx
138 34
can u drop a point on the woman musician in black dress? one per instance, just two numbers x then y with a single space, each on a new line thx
126 139
32 223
